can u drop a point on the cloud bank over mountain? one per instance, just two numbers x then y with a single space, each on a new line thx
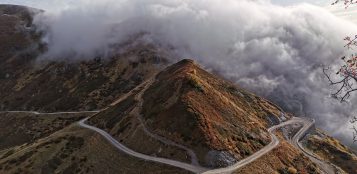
272 50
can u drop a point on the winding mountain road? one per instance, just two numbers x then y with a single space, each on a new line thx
196 169
138 109
115 143
307 123
274 142
190 152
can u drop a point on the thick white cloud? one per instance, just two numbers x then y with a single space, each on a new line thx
294 2
275 51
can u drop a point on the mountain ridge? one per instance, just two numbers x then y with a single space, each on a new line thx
179 74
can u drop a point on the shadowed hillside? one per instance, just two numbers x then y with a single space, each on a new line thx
20 128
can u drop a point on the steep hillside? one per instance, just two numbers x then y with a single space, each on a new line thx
220 122
332 150
210 115
284 159
61 85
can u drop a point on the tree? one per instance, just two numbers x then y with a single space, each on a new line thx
346 76
347 3
347 73
354 128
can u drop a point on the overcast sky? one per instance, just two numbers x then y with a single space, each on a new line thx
291 2
281 2
348 14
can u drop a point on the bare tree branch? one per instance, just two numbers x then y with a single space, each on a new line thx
348 94
354 120
347 3
329 78
347 79
347 72
354 134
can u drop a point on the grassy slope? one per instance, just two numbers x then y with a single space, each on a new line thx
332 150
280 160
199 111
122 122
19 128
75 150
204 112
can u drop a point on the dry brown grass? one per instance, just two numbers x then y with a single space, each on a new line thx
19 128
332 150
194 108
282 160
121 121
76 150
202 111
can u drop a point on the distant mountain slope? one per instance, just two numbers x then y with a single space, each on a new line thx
29 84
18 38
